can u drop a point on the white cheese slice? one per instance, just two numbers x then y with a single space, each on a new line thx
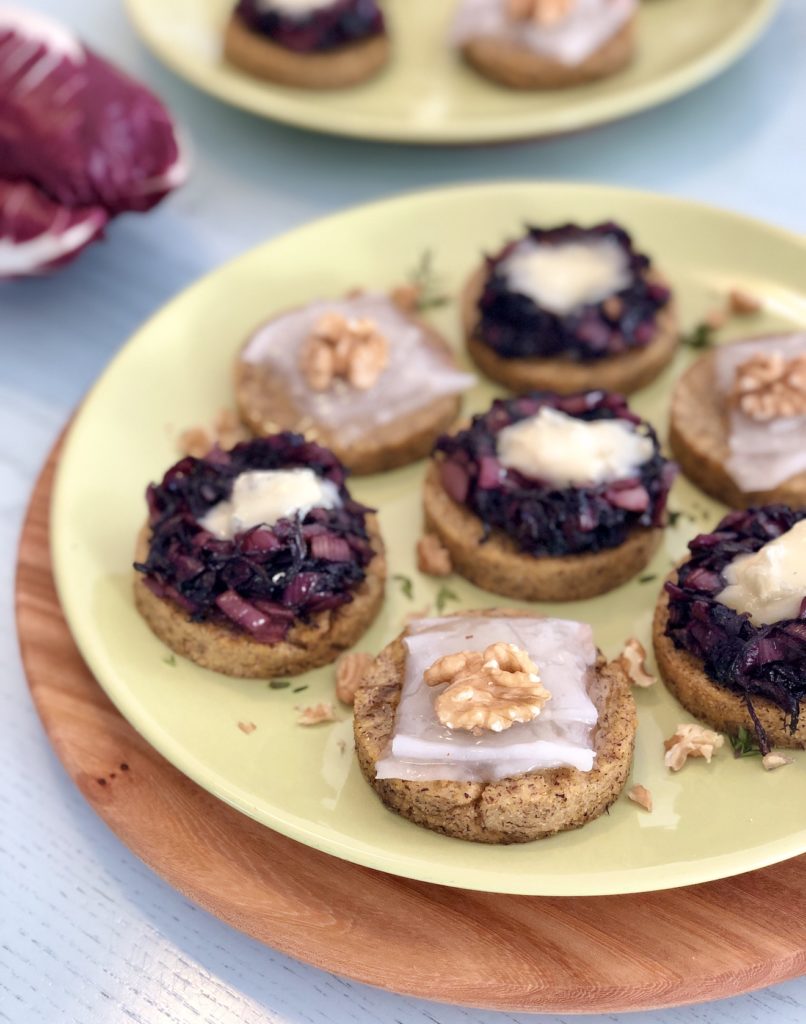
567 451
264 496
415 377
564 277
770 584
588 25
424 749
762 455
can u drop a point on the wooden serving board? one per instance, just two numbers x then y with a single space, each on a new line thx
539 954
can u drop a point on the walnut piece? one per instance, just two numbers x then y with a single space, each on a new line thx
339 348
768 386
743 303
691 740
490 689
350 669
316 714
640 795
633 660
716 318
544 12
407 297
247 727
613 307
433 558
774 760
227 431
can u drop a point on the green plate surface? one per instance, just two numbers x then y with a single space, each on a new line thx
426 95
709 820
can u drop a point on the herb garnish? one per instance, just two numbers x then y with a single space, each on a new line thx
425 279
743 744
170 659
299 689
650 576
699 337
444 595
279 684
406 584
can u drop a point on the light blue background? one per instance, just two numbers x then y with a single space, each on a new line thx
87 933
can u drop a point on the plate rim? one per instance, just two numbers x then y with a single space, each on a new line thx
292 825
595 111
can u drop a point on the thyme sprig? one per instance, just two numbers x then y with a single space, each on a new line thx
425 280
406 585
699 337
744 744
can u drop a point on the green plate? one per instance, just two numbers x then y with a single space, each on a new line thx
426 95
709 820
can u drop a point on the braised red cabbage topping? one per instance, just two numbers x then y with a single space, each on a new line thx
540 517
325 28
517 328
267 578
751 661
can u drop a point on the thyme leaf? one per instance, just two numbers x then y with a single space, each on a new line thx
744 744
406 585
279 684
426 280
699 337
170 659
444 595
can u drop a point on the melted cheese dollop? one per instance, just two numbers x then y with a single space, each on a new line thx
562 278
564 450
261 497
769 585
294 8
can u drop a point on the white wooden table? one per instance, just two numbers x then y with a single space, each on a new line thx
87 933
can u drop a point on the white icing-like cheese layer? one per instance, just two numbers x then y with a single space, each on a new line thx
294 8
770 584
423 749
587 27
415 376
263 496
568 452
562 278
762 455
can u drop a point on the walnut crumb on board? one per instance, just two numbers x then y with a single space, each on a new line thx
433 558
247 727
316 714
744 303
350 669
640 795
226 431
633 660
406 297
775 760
691 740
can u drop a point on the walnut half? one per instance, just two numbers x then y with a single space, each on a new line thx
339 348
768 386
491 689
